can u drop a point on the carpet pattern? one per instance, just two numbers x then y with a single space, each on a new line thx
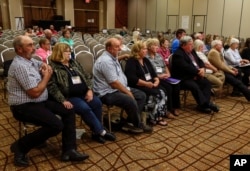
193 141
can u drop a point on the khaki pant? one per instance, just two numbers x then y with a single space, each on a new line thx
217 80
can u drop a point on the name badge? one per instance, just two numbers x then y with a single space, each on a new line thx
159 69
76 80
148 76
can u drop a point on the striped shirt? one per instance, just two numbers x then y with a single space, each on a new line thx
24 75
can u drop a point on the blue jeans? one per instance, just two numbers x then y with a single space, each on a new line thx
90 112
133 107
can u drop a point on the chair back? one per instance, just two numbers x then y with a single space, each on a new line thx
86 60
8 43
7 56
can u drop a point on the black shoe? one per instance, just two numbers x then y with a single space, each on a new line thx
236 94
98 138
20 158
214 107
204 109
128 127
73 155
42 145
109 136
146 128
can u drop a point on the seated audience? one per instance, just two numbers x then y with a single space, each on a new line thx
233 58
232 76
176 42
27 81
215 76
171 90
52 29
141 75
71 86
124 31
40 32
208 40
163 50
245 52
44 51
189 68
29 32
66 38
110 84
48 34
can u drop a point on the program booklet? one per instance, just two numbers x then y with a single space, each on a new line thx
172 80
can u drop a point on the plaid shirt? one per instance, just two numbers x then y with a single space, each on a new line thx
24 75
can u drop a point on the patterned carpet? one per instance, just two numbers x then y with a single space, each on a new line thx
193 141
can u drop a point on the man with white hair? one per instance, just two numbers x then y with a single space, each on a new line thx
233 58
190 69
232 75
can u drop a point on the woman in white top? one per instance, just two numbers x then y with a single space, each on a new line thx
233 58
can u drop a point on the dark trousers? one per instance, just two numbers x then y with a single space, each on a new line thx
43 114
200 88
173 93
237 84
246 74
133 107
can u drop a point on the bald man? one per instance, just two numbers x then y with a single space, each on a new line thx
110 84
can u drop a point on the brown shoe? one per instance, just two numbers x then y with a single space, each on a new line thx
170 115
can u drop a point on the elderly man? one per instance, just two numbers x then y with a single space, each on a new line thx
189 68
110 84
232 76
49 35
27 81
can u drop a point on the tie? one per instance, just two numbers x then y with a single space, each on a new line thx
193 60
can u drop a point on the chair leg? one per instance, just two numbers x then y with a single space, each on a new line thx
109 118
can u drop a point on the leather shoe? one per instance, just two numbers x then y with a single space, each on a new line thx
214 107
204 109
20 158
73 155
98 138
109 136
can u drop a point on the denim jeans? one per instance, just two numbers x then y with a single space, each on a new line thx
90 112
133 107
43 114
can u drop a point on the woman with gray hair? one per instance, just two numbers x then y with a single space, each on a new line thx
215 76
233 58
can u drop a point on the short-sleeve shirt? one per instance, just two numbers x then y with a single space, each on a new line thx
24 75
107 69
158 63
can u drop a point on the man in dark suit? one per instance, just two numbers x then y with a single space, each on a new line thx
189 68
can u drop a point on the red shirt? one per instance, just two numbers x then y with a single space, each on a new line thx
165 53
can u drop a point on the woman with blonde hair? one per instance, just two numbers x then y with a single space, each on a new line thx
71 86
141 75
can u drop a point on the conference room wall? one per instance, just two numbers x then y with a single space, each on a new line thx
223 17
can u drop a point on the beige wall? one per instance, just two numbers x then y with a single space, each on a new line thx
69 11
223 17
15 10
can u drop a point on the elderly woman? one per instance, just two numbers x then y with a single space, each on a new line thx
66 38
70 86
141 75
215 76
233 58
172 90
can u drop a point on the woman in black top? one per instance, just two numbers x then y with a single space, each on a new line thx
141 75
